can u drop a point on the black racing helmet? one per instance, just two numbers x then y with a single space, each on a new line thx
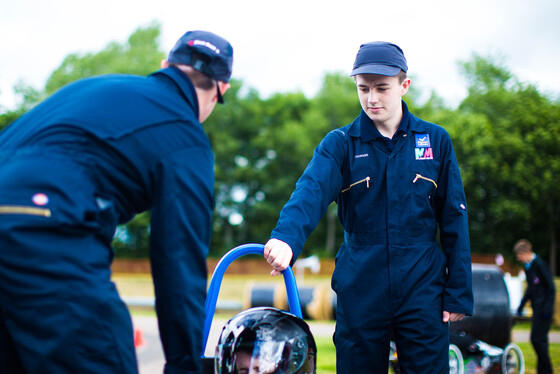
266 340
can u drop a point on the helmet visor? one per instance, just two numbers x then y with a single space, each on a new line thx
271 356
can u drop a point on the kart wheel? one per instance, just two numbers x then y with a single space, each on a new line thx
456 365
512 360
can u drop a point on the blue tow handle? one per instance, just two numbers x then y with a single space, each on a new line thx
216 281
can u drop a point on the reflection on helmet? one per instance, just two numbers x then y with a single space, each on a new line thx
265 340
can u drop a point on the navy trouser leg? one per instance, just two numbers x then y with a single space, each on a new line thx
363 316
422 341
373 303
539 339
364 349
421 336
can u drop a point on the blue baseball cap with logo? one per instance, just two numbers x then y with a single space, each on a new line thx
381 58
205 52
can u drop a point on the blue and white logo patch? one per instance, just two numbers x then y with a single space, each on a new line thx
422 140
423 150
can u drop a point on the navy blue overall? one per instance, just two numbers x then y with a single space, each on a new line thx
391 277
90 157
541 292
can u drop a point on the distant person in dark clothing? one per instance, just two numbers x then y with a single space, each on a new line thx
540 290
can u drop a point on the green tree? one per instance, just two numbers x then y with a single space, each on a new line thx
508 135
242 133
8 117
261 149
335 105
133 239
28 97
140 55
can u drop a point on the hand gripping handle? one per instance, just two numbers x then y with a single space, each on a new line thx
216 281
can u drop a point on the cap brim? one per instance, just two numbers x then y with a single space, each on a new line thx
390 71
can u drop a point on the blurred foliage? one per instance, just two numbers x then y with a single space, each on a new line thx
139 55
506 136
510 160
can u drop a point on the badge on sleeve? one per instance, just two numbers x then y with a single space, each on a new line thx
423 150
40 199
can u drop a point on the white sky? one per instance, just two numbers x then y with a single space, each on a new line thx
289 45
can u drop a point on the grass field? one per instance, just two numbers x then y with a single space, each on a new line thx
235 288
326 356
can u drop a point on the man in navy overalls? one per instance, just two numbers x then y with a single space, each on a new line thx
396 180
541 293
88 158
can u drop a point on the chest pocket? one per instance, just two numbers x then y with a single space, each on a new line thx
365 180
420 176
423 190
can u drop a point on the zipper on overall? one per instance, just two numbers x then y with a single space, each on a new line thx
17 209
418 176
366 179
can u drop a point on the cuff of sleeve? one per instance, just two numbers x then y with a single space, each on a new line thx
458 308
296 251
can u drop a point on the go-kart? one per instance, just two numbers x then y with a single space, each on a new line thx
214 289
481 343
474 356
471 356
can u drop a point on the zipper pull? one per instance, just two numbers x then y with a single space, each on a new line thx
367 181
415 179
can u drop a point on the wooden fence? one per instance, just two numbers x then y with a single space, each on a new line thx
253 265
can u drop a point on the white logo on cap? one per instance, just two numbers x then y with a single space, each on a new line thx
206 44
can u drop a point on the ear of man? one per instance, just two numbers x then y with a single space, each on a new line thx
205 87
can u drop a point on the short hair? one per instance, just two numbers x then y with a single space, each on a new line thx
401 76
198 79
522 246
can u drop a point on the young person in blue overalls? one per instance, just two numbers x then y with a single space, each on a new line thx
396 181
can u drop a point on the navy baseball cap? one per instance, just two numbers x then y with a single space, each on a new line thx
381 58
205 52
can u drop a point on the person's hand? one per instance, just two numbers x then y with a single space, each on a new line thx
452 317
278 254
